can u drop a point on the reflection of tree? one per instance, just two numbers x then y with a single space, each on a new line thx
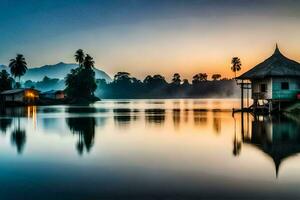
85 128
200 117
176 118
123 116
18 138
5 123
216 122
156 116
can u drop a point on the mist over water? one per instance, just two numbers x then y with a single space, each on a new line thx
141 149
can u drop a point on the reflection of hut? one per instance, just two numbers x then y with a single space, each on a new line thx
279 138
20 96
273 82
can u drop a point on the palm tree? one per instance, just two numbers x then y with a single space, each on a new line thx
235 65
18 66
79 57
88 62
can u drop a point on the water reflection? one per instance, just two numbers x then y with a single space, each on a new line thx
150 151
5 123
155 116
18 139
277 136
200 117
176 117
84 127
217 122
124 116
18 132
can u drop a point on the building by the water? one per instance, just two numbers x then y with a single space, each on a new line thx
22 96
273 82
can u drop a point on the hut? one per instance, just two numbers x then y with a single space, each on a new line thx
53 94
272 82
22 96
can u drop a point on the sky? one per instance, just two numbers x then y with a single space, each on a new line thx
150 36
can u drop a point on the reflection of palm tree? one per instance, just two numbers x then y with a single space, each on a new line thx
237 145
5 123
18 138
85 128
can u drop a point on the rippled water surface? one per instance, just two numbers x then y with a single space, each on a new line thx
148 149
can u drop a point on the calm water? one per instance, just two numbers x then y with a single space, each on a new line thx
147 149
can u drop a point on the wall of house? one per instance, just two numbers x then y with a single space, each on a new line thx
291 93
19 97
255 84
60 96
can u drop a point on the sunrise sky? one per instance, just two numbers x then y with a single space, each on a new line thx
150 36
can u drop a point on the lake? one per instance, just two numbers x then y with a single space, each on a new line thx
148 149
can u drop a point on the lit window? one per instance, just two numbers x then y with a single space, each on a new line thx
285 86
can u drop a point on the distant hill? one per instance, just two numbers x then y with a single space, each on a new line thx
59 70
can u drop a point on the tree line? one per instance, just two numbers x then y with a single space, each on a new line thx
80 83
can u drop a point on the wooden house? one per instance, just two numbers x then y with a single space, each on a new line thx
53 94
19 96
275 80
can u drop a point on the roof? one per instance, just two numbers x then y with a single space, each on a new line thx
15 91
275 66
53 92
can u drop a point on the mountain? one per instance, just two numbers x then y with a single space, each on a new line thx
59 70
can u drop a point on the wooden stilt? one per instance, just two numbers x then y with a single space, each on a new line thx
242 95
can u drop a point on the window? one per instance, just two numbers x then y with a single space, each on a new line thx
285 86
263 88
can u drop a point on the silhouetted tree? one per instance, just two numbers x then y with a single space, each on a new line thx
88 62
216 76
235 65
157 81
203 77
5 81
196 79
79 57
185 83
18 66
176 79
122 77
81 82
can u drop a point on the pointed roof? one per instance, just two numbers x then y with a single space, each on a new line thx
275 66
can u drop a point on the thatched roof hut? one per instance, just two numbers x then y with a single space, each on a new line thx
275 66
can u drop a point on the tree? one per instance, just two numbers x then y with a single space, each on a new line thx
88 62
157 81
79 57
216 76
203 77
122 77
18 66
80 82
185 83
235 65
5 81
176 79
196 79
